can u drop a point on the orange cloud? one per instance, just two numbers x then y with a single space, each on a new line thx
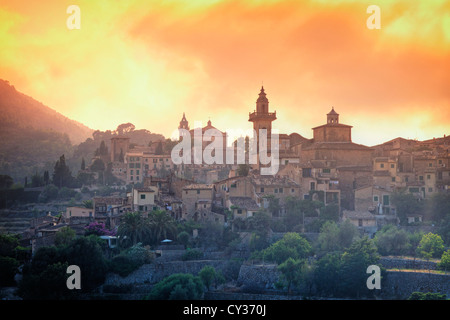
147 62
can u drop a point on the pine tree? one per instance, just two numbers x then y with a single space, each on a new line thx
62 177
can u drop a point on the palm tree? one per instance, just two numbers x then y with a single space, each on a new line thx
134 227
162 225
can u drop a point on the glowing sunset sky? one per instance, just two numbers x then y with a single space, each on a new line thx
147 62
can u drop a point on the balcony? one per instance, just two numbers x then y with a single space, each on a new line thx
262 115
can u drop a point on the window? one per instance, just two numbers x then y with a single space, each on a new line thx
360 222
281 190
326 170
239 211
198 191
430 164
131 172
292 190
392 165
382 165
142 196
276 190
137 178
393 179
131 178
440 161
375 198
385 200
262 189
138 165
313 186
131 165
421 178
413 190
137 171
428 177
306 172
430 189
406 179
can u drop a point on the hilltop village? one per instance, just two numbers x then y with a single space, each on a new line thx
198 210
357 180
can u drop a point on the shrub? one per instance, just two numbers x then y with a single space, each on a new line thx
192 254
445 261
139 254
427 296
123 265
178 286
8 269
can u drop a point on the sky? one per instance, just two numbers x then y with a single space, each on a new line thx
147 62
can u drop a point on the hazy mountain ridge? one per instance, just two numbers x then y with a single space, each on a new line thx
25 112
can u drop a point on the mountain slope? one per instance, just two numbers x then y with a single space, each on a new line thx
25 112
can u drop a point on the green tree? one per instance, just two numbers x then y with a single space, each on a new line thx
178 286
392 241
64 236
162 225
439 207
49 193
430 246
336 237
292 245
6 181
62 176
444 264
327 274
48 284
46 177
8 244
361 254
330 212
328 239
98 165
89 204
133 229
291 271
8 269
209 275
183 238
406 204
87 253
37 180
